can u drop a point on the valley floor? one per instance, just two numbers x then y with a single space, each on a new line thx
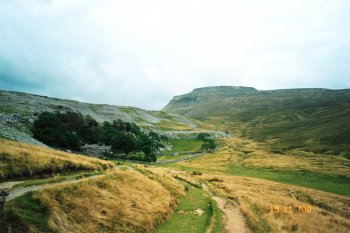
242 187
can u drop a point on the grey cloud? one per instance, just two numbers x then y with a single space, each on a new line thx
141 53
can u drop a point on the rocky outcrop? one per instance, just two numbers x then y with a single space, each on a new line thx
10 132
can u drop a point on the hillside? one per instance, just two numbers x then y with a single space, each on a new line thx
110 203
20 160
28 105
19 110
309 119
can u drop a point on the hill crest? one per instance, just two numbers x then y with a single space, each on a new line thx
313 119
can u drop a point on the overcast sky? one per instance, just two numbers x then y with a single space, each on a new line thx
142 53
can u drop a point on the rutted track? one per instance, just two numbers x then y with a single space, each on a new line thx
23 190
235 222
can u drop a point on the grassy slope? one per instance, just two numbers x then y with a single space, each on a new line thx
245 158
22 160
111 203
308 119
333 184
327 212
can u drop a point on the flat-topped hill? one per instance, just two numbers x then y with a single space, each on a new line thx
313 118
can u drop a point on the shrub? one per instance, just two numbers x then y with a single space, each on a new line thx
215 179
203 136
196 173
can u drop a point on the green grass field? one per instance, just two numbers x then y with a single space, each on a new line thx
183 145
185 218
333 184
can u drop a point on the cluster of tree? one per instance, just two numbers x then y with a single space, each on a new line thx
208 143
70 130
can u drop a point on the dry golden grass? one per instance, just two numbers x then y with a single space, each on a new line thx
171 174
122 201
23 160
256 156
249 153
329 212
215 162
163 176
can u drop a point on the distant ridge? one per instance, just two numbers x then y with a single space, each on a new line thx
313 119
225 89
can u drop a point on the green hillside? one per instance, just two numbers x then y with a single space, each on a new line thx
309 119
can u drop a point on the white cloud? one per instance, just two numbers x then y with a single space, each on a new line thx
142 53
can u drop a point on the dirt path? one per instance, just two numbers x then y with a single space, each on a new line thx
23 190
235 221
8 185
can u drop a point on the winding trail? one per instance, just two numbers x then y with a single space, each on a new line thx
23 190
8 185
235 221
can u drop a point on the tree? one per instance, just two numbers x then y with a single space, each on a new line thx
154 136
108 132
149 144
68 130
164 138
135 129
123 142
73 120
209 145
203 136
49 129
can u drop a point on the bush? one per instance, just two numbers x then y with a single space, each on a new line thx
203 136
208 145
187 187
215 179
196 173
